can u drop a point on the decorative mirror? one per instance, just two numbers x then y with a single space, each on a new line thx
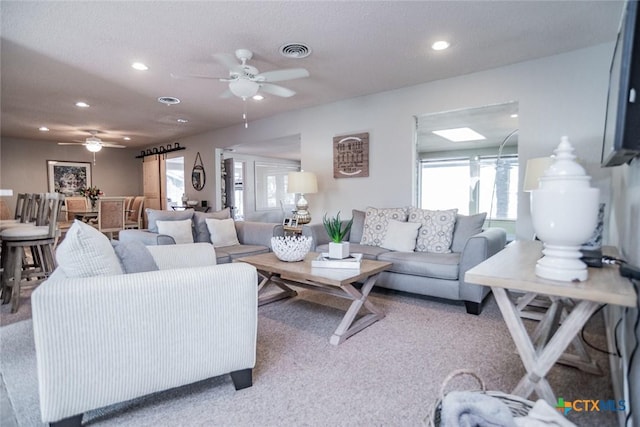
198 177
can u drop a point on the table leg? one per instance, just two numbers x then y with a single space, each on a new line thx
273 279
347 326
538 363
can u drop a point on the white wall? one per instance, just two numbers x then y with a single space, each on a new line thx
559 95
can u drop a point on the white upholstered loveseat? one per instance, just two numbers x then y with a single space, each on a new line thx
113 337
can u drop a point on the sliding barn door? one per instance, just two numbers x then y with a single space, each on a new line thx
154 183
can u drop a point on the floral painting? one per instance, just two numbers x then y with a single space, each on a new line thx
68 178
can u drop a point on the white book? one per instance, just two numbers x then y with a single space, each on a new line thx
323 261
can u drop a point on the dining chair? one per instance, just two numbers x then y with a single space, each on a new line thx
128 202
134 218
5 212
36 241
111 215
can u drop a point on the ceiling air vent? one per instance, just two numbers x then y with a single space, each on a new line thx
295 50
169 100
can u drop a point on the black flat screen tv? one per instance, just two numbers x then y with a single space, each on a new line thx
621 141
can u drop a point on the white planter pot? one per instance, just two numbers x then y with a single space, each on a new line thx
338 250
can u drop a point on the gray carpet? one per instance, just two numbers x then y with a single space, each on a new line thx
387 375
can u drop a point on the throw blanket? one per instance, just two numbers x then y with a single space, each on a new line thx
543 415
472 409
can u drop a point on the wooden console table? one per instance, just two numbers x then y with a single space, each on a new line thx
572 304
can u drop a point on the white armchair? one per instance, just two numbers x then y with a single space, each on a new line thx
107 339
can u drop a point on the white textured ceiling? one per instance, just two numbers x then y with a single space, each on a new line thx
56 53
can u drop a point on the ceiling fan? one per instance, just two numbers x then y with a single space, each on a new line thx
245 80
93 143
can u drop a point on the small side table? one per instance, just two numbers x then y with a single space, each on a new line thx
513 268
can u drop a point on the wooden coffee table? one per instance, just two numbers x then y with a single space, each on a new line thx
337 282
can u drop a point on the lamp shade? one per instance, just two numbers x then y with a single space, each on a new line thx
535 169
244 88
302 182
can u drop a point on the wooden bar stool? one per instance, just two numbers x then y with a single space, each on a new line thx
39 240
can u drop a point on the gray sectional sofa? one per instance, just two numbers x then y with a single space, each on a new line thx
433 274
253 237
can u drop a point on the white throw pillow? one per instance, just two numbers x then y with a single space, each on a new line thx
436 233
222 231
86 252
180 230
400 236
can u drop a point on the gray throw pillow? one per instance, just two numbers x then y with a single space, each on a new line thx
357 227
154 215
199 220
466 227
134 256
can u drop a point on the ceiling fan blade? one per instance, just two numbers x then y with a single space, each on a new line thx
229 62
106 144
71 143
195 76
277 90
281 75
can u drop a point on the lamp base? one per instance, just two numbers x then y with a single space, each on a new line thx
302 214
562 263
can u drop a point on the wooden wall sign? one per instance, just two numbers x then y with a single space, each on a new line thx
351 156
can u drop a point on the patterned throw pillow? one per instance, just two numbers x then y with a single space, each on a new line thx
436 233
376 222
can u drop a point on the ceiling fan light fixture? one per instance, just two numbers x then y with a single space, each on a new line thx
94 147
244 88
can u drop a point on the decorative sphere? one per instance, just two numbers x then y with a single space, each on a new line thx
291 248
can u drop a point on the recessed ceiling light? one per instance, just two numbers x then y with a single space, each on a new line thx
43 129
513 116
459 134
182 121
440 45
82 104
258 97
126 138
139 66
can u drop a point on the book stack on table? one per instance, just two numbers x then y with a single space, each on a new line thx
323 261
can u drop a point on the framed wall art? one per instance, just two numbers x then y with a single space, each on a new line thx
68 177
351 156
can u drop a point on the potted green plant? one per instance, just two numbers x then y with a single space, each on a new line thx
337 231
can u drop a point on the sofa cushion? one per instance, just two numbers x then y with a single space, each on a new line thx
438 266
154 215
86 252
355 235
187 255
376 222
239 251
436 233
202 232
222 232
134 256
466 226
180 230
368 252
401 236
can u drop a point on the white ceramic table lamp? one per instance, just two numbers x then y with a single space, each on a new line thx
303 183
564 212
